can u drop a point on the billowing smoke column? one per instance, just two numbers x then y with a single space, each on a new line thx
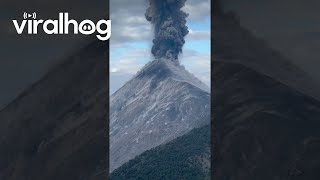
169 27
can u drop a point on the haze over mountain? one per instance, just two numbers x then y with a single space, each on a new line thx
160 103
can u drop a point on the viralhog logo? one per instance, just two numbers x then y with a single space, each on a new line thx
61 26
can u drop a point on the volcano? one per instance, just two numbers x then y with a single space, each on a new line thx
160 103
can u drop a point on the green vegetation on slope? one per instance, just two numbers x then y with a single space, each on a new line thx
187 157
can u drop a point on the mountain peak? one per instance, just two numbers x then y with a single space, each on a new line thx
157 68
161 102
161 69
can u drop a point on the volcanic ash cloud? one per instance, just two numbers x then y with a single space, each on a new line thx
170 28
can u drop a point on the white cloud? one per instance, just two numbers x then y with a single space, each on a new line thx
131 61
198 35
197 9
129 24
114 70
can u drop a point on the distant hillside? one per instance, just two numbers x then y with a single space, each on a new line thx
187 158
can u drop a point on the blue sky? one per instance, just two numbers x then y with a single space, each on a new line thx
131 40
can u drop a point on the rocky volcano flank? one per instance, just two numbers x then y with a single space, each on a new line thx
160 103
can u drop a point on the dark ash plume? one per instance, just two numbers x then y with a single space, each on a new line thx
169 27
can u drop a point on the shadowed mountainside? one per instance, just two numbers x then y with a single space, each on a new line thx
266 110
263 129
57 128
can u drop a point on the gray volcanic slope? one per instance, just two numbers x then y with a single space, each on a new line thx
57 128
163 101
